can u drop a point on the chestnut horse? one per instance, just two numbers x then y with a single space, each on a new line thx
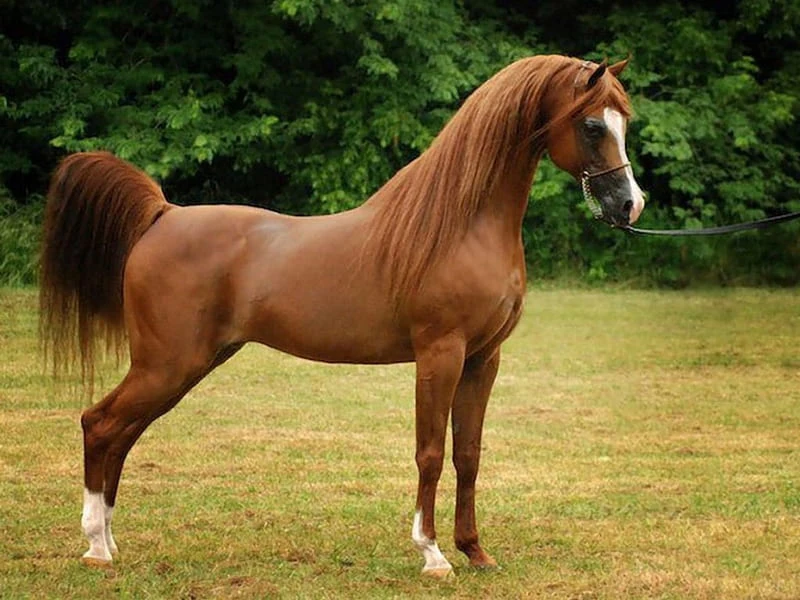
429 269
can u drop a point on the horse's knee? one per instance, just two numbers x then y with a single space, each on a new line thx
429 463
466 463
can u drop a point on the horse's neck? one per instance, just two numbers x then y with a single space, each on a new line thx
510 199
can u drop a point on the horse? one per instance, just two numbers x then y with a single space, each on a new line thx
429 269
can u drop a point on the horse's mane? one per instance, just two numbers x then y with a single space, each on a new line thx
425 209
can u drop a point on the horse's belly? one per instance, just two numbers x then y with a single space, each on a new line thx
322 331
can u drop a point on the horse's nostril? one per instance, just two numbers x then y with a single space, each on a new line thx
626 208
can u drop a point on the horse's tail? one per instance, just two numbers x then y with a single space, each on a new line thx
98 207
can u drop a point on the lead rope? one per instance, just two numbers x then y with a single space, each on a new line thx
597 210
722 230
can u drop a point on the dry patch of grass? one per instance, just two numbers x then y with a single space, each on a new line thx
638 445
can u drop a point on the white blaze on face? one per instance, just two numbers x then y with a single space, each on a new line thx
616 125
434 559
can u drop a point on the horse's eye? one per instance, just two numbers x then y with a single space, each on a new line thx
594 128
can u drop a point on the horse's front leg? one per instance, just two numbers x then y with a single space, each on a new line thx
469 408
439 365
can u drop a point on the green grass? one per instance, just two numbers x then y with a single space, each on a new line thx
637 445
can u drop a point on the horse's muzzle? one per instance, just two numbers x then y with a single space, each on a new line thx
613 197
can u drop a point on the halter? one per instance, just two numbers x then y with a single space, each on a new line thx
586 176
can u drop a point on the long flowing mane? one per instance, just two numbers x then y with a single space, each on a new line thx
426 208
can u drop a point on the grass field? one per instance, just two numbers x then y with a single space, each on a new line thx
637 445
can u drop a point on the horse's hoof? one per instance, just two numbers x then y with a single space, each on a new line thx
96 563
441 573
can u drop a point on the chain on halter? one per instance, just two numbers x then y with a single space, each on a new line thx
592 202
586 185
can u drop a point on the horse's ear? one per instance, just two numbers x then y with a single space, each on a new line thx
598 73
619 67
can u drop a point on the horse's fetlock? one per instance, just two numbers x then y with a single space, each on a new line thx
465 543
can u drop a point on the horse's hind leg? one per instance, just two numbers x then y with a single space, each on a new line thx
102 426
119 448
112 427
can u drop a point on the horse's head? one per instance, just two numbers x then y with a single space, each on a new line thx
588 141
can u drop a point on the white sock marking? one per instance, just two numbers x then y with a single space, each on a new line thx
110 543
94 525
434 559
615 123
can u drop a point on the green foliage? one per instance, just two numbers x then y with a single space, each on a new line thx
126 93
19 241
308 106
401 67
